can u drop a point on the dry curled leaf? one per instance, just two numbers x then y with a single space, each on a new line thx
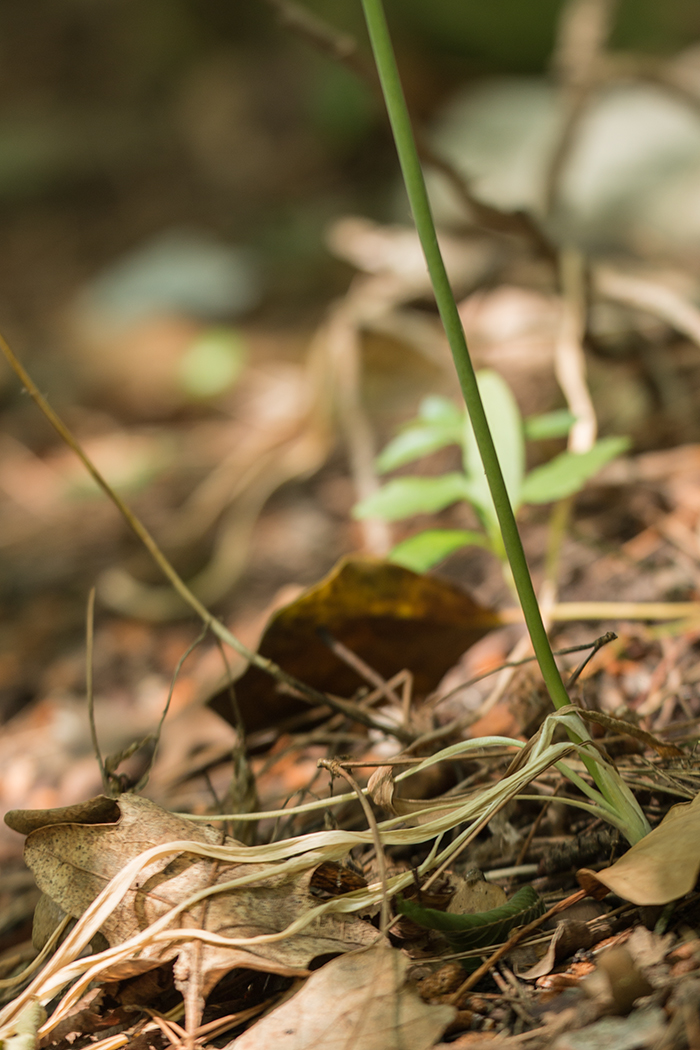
381 788
661 867
359 1001
570 936
74 860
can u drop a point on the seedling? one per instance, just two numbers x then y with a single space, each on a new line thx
441 423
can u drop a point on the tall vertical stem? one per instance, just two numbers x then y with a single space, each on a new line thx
420 206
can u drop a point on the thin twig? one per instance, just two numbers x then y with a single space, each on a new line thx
604 639
477 828
524 849
335 769
514 939
166 707
584 27
450 728
306 693
89 687
359 665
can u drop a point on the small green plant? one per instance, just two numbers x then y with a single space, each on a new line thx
440 423
613 795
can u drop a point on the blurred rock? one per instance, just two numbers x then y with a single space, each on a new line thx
630 180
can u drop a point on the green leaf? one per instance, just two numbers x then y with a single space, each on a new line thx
549 425
466 932
404 497
212 362
439 423
419 553
415 441
506 426
440 411
568 473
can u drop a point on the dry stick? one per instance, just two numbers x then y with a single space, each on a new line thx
604 639
336 770
474 831
570 371
307 693
357 664
89 686
515 938
434 735
166 707
341 338
242 792
594 645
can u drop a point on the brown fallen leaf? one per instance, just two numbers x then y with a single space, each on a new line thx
358 1001
390 617
74 861
570 936
661 867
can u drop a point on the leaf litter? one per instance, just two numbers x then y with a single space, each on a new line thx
173 901
176 903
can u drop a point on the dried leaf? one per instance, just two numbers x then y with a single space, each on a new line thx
381 787
570 936
661 867
357 1001
389 616
72 862
618 725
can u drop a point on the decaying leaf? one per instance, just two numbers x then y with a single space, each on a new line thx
359 1001
570 936
389 616
73 861
661 867
381 788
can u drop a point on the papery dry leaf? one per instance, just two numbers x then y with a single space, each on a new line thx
570 936
356 1002
661 867
389 616
381 788
73 862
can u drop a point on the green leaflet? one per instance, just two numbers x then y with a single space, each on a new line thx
465 932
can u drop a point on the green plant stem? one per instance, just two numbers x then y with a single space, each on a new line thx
447 307
606 780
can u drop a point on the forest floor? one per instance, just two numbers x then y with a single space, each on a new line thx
305 909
